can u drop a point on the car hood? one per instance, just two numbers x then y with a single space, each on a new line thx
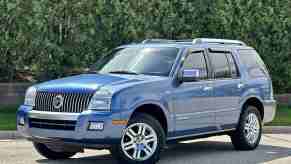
89 82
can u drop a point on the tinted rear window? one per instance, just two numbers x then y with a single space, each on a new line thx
220 65
254 64
233 66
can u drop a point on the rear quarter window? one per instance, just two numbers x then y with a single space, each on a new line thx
253 62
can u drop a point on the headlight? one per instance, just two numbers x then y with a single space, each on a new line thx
30 96
101 101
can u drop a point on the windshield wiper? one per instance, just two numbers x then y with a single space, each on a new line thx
124 72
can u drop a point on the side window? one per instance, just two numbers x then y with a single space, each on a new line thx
254 64
233 66
220 65
196 61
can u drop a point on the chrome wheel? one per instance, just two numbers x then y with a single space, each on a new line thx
139 141
252 128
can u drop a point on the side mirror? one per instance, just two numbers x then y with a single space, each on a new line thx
189 75
86 70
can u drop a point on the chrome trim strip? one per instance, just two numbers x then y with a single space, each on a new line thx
199 134
53 115
206 112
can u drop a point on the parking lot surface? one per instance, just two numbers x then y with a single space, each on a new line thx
274 148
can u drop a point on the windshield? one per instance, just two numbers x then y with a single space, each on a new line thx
149 61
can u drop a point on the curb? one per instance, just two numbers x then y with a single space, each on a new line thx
4 135
277 130
267 130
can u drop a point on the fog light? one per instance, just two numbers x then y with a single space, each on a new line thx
96 126
21 121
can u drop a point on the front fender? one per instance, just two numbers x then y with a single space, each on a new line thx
128 113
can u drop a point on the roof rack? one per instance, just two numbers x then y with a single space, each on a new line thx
197 41
157 41
189 41
218 41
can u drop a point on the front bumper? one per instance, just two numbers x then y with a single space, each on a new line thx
110 134
269 110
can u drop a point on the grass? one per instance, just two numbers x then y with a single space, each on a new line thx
8 117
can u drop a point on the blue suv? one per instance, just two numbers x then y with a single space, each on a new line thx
140 97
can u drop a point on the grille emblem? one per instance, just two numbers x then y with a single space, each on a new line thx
58 101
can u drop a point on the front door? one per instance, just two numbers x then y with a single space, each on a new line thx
192 100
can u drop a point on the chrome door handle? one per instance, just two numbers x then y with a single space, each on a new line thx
240 85
207 88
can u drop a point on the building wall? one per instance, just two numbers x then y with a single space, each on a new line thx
12 93
284 99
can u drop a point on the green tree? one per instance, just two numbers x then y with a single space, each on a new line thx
51 39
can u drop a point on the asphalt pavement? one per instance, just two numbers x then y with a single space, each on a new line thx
274 148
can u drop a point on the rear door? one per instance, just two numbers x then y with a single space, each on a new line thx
227 88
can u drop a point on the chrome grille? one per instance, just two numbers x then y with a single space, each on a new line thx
72 102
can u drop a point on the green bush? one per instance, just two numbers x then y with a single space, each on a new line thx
49 39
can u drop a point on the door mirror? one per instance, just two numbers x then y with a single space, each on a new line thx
86 70
190 75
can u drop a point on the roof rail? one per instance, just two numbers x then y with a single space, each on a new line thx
187 41
157 41
197 41
218 41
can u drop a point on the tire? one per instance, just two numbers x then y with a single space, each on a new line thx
43 150
153 131
244 139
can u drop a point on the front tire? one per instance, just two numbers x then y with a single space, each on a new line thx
142 141
248 134
46 152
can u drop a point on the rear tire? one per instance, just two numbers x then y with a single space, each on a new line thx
43 150
248 134
148 139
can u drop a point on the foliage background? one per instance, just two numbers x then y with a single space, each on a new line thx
49 39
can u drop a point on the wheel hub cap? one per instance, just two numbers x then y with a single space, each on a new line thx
252 128
139 141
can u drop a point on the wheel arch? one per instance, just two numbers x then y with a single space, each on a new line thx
254 101
156 111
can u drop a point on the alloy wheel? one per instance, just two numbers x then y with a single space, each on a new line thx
252 128
139 141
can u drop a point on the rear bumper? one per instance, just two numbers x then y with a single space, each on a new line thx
110 134
269 110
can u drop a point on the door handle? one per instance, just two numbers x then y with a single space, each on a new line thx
240 85
207 88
